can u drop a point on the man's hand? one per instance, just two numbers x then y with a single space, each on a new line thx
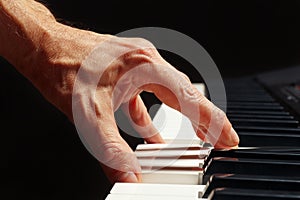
51 54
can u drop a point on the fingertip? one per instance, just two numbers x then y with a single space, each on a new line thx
129 177
228 140
235 140
155 139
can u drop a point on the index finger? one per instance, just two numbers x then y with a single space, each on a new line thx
210 122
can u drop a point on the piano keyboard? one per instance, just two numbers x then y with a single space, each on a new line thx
265 166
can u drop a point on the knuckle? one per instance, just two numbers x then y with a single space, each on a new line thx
193 95
141 49
138 56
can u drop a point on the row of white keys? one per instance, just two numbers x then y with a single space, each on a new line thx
165 190
184 177
173 183
168 146
174 153
172 164
148 197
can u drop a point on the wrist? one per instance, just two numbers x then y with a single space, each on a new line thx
23 24
62 49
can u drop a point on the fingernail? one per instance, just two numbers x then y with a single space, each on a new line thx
234 138
128 177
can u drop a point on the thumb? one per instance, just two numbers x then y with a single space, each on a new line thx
99 133
116 157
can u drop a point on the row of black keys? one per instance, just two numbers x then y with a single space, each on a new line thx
263 169
259 119
264 173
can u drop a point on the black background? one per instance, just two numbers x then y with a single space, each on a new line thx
241 36
42 155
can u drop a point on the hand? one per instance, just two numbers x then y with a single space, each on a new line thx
63 55
53 61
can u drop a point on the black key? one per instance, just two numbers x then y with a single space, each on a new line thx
281 113
265 122
242 103
246 96
246 194
247 166
250 107
251 99
273 153
273 130
268 139
249 116
247 92
251 182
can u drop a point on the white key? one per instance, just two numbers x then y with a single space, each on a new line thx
158 189
142 147
145 197
174 127
171 163
172 153
188 177
179 140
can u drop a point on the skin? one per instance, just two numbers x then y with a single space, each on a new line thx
49 54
